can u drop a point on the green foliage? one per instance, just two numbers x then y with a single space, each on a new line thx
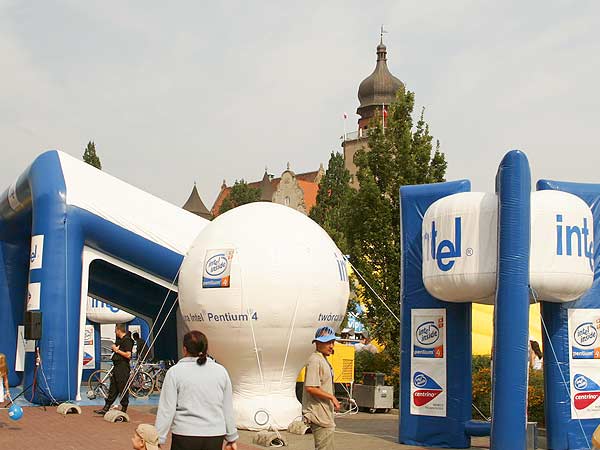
240 194
402 154
479 362
90 157
482 390
333 200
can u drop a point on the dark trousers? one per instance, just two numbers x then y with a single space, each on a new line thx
118 380
179 442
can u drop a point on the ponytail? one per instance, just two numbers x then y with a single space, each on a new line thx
196 345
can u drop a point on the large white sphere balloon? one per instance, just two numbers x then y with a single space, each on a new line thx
100 312
460 247
258 281
561 266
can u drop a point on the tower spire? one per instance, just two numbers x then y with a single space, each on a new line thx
381 35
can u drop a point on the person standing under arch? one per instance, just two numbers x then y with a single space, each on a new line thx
119 377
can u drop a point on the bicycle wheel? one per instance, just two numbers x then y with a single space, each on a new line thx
158 380
99 383
142 385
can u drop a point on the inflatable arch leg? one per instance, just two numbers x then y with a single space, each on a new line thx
449 374
14 262
564 430
55 265
435 394
511 313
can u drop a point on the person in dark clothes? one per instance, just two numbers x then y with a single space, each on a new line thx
142 348
122 349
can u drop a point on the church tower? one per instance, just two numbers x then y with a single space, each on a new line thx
375 94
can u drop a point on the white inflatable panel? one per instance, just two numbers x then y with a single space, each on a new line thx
100 312
129 207
562 234
460 247
258 281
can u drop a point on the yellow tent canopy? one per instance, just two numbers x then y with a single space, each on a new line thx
483 327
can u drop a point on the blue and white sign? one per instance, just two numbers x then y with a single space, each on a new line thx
584 362
217 268
428 362
33 296
37 252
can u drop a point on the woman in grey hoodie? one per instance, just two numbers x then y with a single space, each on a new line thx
196 401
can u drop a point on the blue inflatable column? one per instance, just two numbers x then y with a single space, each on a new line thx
511 313
563 431
56 268
14 258
448 429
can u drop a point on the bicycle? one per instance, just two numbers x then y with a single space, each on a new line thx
141 386
157 371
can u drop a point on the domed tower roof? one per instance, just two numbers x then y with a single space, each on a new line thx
379 88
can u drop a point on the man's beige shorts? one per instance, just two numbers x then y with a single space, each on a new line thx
323 437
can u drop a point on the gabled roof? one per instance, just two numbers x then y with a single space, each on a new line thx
308 182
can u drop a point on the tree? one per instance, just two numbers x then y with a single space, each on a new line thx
90 157
400 154
240 194
333 201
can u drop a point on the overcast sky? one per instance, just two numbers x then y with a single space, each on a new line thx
177 92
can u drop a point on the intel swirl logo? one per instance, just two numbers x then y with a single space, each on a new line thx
585 334
428 333
216 265
420 379
580 383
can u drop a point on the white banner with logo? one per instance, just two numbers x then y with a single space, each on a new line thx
217 268
37 252
428 362
33 296
584 363
89 350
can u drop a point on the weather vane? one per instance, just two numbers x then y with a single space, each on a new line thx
382 33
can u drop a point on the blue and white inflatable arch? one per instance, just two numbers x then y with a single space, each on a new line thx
506 248
67 229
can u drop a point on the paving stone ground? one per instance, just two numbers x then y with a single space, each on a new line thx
48 430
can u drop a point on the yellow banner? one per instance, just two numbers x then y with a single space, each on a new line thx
483 327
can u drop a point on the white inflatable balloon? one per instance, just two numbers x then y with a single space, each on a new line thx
460 247
562 251
258 281
100 312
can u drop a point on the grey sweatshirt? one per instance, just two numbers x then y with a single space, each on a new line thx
196 401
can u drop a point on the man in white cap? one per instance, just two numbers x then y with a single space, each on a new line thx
145 438
318 401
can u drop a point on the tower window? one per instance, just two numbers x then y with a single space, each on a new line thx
286 201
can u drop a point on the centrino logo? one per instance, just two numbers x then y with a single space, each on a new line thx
216 265
428 333
583 244
446 251
585 334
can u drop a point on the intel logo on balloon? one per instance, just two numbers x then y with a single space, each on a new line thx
585 334
428 333
216 265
